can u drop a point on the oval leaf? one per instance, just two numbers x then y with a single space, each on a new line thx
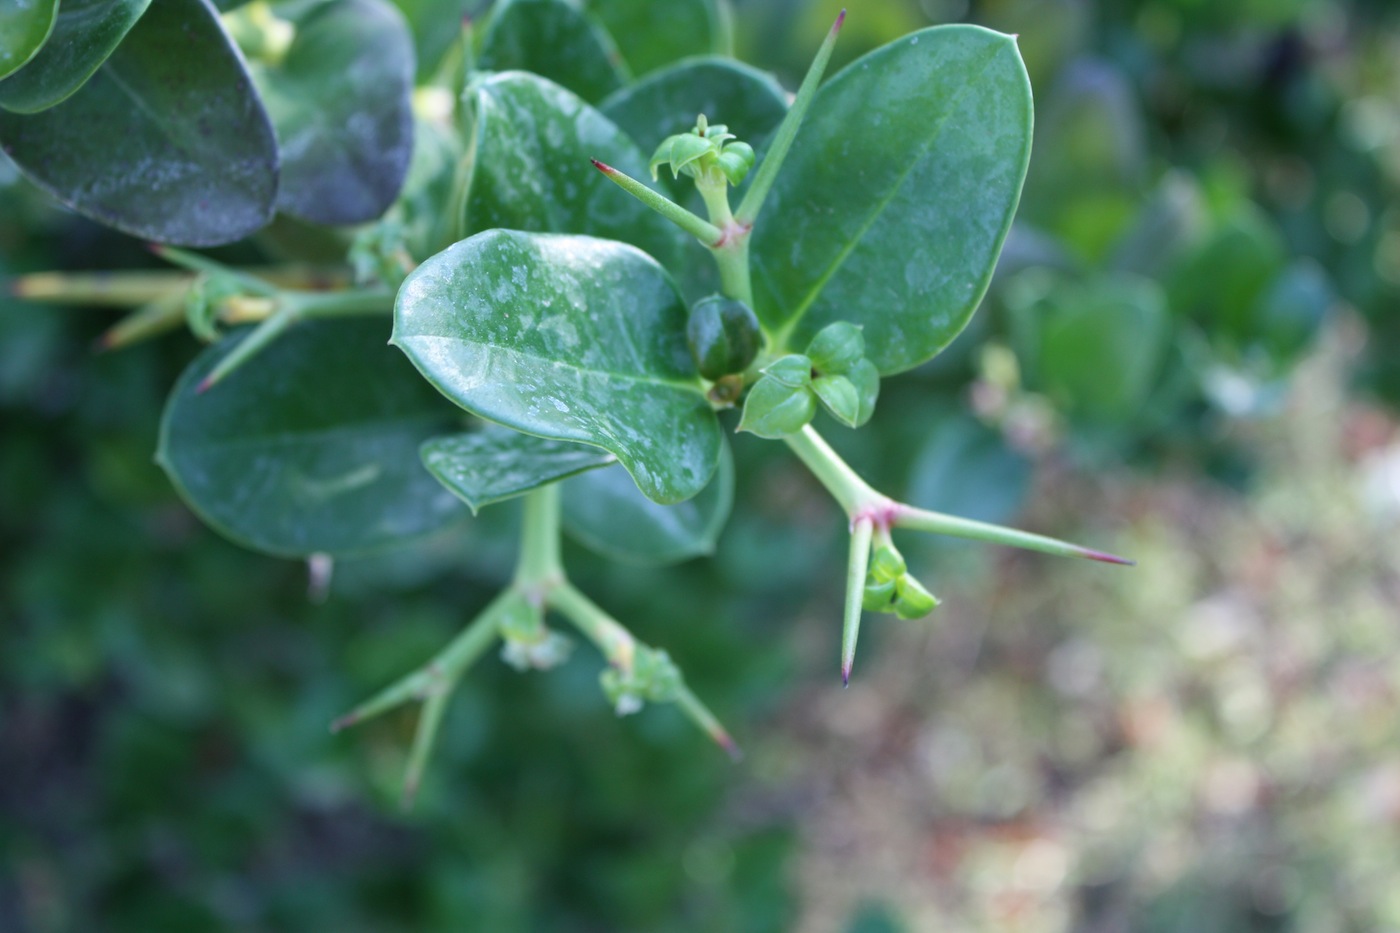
24 28
553 39
570 338
86 33
340 100
496 463
531 171
312 446
899 190
605 512
167 141
651 35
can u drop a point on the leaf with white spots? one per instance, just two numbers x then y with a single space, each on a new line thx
569 338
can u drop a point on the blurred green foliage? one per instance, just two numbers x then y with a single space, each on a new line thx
1202 744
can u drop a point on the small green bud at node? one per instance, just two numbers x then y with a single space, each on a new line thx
911 600
724 336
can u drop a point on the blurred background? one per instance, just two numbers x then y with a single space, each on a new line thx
1191 355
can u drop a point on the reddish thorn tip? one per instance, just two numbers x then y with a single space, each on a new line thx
344 722
731 748
104 343
602 166
841 18
846 675
410 796
1107 558
204 385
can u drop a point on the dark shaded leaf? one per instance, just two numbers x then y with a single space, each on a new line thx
312 447
605 512
553 39
340 100
167 141
653 34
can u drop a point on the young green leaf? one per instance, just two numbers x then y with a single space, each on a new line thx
836 348
339 100
311 447
866 379
24 28
782 401
495 463
534 140
838 396
85 34
570 338
897 195
651 35
604 511
167 141
553 39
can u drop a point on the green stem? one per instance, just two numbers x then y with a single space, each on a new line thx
787 131
857 566
197 263
614 641
351 302
441 673
853 494
163 314
539 567
696 226
292 308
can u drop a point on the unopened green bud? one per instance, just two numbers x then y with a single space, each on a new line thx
840 397
653 678
911 600
886 565
878 597
683 153
724 336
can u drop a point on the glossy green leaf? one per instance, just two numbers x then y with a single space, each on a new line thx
312 447
552 38
566 337
167 141
531 170
652 34
899 190
781 402
340 100
24 28
604 511
86 33
495 463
